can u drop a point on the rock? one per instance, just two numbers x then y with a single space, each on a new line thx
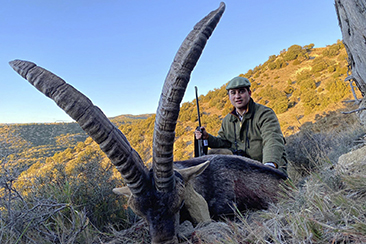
185 230
352 163
214 232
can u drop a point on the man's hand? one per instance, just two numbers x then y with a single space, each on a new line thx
201 134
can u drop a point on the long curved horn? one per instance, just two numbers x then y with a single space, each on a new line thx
173 91
91 119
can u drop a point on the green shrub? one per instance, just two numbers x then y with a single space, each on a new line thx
308 84
249 73
272 66
278 100
310 100
319 65
303 75
271 58
280 106
280 63
338 89
309 47
254 85
332 69
292 52
333 50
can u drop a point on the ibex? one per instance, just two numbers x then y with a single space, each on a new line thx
158 194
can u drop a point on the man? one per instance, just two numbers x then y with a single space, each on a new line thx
250 129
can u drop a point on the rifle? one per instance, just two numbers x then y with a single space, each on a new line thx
200 145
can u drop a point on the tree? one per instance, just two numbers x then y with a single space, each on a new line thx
352 21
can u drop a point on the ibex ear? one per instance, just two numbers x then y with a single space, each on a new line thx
193 171
123 191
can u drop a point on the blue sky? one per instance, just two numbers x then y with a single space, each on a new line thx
118 52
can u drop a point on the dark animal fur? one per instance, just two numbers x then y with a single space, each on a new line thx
235 181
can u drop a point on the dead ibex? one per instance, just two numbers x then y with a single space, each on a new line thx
159 194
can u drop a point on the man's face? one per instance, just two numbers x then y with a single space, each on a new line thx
239 98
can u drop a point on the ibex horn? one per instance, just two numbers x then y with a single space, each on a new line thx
173 91
91 119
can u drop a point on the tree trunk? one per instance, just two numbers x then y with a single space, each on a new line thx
352 21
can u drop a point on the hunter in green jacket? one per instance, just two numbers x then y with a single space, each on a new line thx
250 129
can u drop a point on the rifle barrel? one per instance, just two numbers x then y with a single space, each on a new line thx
198 107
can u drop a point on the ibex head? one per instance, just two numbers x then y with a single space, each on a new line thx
158 194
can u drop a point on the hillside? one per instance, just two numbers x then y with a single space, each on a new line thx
35 142
301 84
128 119
56 175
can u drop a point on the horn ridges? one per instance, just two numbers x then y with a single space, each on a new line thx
171 97
91 119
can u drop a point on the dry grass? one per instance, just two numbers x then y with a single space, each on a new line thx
323 210
320 205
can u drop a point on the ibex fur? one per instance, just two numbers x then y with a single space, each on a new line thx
158 194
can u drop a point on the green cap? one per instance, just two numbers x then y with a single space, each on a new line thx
238 82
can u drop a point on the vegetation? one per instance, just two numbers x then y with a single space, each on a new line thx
55 183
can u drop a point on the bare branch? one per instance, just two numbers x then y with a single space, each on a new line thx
354 111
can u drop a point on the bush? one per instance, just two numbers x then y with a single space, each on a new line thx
319 65
280 106
333 50
45 211
185 114
309 47
338 89
278 100
272 66
305 150
292 52
280 63
271 58
249 73
255 85
84 182
214 101
331 69
308 84
303 75
323 142
310 100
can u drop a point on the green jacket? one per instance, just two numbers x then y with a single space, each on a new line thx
258 135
